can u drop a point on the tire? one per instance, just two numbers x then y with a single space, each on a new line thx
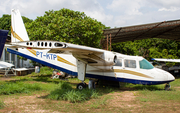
81 86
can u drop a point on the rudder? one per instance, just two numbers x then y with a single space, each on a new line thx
18 30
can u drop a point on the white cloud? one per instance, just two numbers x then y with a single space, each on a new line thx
115 13
128 7
166 3
172 9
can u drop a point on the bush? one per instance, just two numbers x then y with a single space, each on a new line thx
66 92
64 85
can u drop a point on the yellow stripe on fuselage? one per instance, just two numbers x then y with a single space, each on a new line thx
60 59
131 72
32 51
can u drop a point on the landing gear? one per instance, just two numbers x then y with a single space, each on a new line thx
91 84
81 86
167 87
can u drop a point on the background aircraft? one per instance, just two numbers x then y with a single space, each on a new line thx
174 70
166 60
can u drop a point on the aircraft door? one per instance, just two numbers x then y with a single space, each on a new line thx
130 68
118 68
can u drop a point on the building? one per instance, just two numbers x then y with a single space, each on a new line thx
14 59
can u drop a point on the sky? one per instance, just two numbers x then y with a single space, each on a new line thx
112 13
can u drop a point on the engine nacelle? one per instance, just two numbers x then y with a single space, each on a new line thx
110 59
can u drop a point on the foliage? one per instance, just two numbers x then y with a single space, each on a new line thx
5 22
66 92
66 26
43 75
150 48
18 87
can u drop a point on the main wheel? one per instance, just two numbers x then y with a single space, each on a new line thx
81 86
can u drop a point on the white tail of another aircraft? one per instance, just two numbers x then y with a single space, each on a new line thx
18 30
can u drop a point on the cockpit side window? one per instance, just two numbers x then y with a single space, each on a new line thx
130 63
144 64
119 62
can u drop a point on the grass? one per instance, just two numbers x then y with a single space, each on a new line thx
159 95
18 87
2 104
98 103
62 96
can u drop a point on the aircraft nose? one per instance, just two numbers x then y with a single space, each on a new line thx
171 77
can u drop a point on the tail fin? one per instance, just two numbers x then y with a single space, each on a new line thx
18 30
3 36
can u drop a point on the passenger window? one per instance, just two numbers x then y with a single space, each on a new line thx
130 63
119 62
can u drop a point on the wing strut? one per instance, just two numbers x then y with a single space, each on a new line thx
81 68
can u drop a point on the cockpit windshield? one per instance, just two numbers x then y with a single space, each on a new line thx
144 64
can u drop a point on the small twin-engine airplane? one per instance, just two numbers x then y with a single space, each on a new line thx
84 61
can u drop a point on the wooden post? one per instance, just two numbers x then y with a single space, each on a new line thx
110 42
107 42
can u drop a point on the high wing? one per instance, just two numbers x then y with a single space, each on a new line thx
86 54
166 60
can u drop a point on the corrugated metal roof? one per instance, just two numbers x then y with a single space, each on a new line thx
165 30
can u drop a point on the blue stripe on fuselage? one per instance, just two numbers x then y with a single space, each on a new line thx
42 62
88 75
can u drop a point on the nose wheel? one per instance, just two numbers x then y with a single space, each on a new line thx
167 87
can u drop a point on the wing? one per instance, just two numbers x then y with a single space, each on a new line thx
86 54
166 60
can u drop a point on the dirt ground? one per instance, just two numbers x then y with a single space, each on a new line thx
33 103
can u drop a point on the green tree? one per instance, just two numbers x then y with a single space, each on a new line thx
150 48
67 26
5 22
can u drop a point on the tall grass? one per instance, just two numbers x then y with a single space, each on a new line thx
66 92
18 87
2 104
